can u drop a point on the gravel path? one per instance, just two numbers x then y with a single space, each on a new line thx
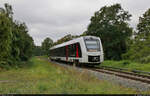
137 85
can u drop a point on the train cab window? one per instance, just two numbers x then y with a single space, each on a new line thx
92 45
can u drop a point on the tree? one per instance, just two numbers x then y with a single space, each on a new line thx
46 44
84 33
139 48
144 25
15 43
65 39
38 51
110 24
5 34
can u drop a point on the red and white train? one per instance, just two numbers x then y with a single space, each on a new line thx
82 50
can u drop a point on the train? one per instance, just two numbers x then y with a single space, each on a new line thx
85 50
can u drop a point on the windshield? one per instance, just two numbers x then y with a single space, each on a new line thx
92 45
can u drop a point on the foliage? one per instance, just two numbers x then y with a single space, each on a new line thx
139 51
23 42
5 35
110 24
65 39
46 45
44 77
38 51
84 33
128 64
144 25
16 44
140 46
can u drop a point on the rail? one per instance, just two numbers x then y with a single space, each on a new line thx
125 69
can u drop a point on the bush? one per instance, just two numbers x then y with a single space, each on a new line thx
138 51
145 59
126 62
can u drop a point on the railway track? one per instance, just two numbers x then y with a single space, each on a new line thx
120 73
123 74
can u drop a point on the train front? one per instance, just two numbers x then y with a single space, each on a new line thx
93 51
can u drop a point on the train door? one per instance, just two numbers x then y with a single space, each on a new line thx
77 51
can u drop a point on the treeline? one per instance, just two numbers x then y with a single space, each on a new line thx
65 39
44 48
110 23
15 43
119 40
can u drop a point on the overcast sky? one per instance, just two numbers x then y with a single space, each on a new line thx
57 18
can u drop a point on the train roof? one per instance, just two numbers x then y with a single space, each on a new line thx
75 40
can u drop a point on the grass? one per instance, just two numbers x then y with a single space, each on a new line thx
43 77
127 64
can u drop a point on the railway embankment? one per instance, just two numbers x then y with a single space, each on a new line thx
45 77
137 82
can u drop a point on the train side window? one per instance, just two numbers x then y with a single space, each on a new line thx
64 51
71 50
74 49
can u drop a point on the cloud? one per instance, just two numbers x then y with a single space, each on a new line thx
57 18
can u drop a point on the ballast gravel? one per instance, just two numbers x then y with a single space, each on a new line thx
137 85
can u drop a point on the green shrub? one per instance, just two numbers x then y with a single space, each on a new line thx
42 88
145 59
126 62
